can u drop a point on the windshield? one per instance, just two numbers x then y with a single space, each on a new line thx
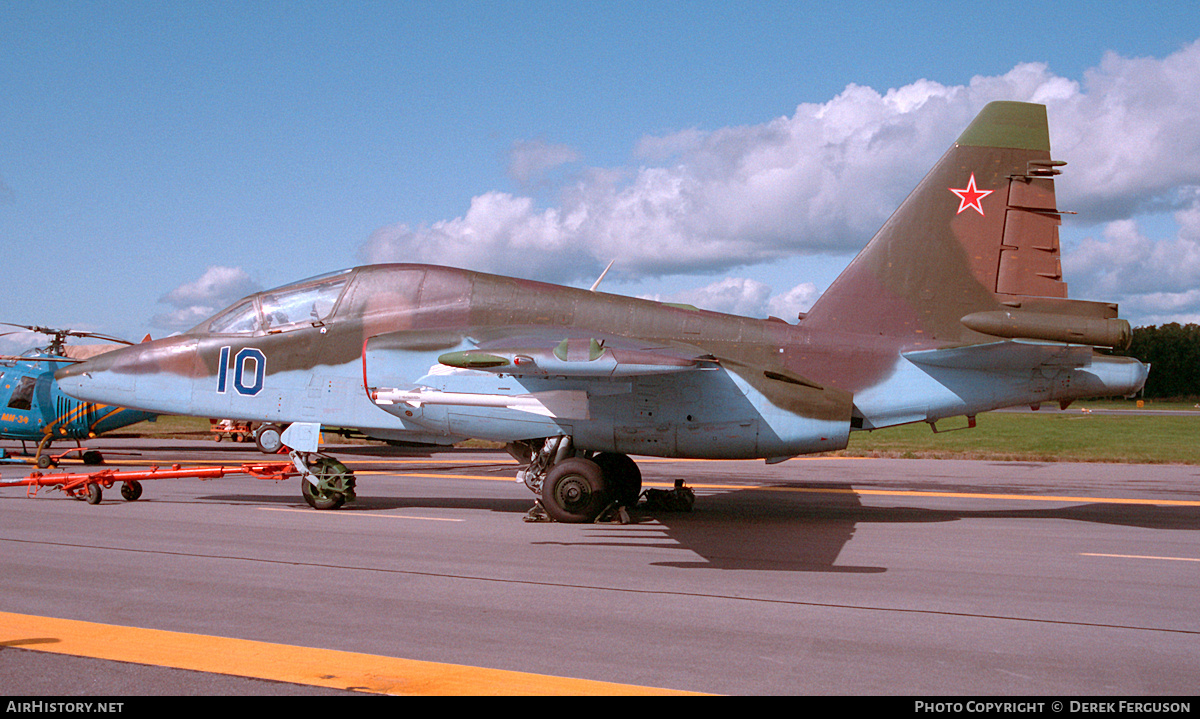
305 303
241 318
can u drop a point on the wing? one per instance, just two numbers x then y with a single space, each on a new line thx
535 352
547 352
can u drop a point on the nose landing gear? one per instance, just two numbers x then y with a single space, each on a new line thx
325 482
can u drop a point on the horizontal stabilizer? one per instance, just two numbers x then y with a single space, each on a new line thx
1008 355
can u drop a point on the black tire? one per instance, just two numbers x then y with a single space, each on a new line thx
269 439
318 500
44 461
324 467
94 494
131 490
622 476
93 457
574 491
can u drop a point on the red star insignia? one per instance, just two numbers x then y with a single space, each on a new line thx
970 196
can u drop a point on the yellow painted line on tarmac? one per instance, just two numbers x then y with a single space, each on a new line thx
357 462
442 475
641 459
512 466
862 492
285 663
1140 556
981 495
812 490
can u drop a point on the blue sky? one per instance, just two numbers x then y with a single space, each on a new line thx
159 160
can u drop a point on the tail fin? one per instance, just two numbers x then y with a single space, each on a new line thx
979 236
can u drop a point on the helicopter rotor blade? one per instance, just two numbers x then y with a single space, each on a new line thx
99 336
50 331
19 358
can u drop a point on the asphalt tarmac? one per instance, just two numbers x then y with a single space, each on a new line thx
815 576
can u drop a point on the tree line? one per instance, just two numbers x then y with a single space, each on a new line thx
1173 352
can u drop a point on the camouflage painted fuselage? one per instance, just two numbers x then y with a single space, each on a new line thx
955 307
34 408
393 323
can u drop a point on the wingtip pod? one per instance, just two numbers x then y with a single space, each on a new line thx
1011 125
1075 329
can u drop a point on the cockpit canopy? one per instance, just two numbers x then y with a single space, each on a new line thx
301 304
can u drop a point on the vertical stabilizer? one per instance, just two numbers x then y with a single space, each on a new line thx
979 233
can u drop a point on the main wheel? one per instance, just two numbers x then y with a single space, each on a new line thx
574 491
622 475
329 473
131 490
269 439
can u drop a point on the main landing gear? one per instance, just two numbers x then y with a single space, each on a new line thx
576 487
269 438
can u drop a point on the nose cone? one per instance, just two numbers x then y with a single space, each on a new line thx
154 376
105 378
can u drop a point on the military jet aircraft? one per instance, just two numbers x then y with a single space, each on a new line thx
956 306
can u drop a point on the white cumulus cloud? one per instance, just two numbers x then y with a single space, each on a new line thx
529 160
825 178
734 295
1155 281
194 301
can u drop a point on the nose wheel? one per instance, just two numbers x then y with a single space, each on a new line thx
326 483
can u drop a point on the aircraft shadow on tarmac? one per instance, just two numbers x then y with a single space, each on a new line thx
760 530
765 528
752 529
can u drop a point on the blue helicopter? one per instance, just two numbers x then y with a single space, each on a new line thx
34 409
